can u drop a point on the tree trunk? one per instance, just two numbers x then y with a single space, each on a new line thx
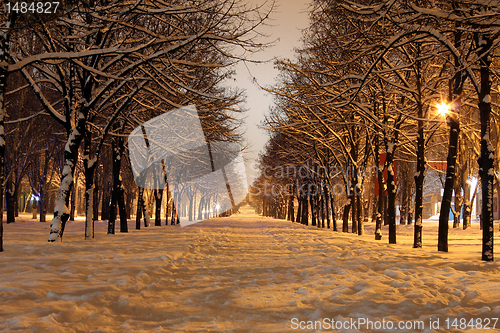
334 214
409 219
354 208
200 208
419 182
207 208
305 212
190 207
89 211
117 199
174 211
455 88
449 182
158 194
145 213
487 156
322 210
115 189
42 203
381 195
299 208
114 198
386 211
194 207
73 203
3 81
345 216
454 98
44 184
403 200
96 201
327 203
312 205
290 212
4 46
128 202
359 214
105 208
466 206
122 210
457 207
61 211
264 206
167 206
367 207
16 200
9 198
317 209
34 211
146 217
89 166
391 189
459 175
138 214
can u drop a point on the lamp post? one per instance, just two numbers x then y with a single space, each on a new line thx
452 120
443 109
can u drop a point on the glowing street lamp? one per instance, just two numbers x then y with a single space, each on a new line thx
443 108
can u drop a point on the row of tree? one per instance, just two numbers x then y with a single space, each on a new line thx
82 78
363 94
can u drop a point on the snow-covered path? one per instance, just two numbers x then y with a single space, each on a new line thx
239 274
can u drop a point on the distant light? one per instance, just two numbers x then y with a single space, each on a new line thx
472 182
217 206
443 108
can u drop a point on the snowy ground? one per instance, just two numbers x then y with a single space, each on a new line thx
242 274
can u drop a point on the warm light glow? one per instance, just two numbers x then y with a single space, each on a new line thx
443 108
